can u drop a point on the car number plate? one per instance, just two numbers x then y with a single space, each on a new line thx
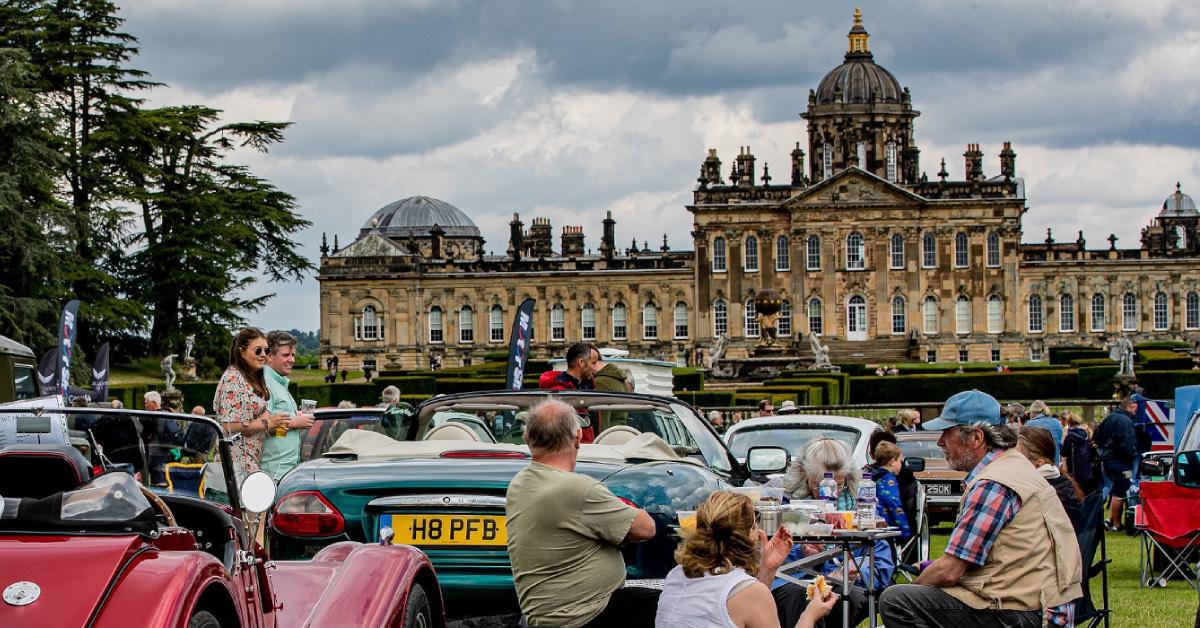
939 489
443 530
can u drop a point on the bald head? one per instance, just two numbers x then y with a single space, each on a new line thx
552 428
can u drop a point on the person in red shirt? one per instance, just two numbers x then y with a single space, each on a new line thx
581 363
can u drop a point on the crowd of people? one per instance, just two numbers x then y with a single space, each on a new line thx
1012 558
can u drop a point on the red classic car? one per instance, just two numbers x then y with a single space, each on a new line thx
128 518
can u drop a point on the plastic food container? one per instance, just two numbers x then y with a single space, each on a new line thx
819 529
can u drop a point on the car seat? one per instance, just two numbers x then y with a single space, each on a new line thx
451 431
616 435
38 471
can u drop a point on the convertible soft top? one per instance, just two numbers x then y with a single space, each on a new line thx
646 447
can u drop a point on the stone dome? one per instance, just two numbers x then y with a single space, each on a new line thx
859 79
1178 204
416 215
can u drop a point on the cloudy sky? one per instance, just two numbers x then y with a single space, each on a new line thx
568 109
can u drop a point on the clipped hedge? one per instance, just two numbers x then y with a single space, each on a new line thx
1093 362
687 379
855 368
1162 384
1165 360
446 386
707 398
936 387
834 387
412 384
1066 355
752 399
1162 344
801 395
913 368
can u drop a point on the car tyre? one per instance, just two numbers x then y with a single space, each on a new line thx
417 612
203 619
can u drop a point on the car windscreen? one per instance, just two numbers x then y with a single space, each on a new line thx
793 438
921 448
397 422
171 454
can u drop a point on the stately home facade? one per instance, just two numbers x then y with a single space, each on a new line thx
865 250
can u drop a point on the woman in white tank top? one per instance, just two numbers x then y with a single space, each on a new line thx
722 578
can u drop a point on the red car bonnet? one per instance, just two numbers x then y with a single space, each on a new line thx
72 572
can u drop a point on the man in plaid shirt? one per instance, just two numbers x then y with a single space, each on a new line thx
1012 559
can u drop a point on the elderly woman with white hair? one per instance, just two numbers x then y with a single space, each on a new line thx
819 457
802 481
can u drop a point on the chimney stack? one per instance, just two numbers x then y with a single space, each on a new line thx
1008 162
516 238
572 241
541 238
608 243
974 162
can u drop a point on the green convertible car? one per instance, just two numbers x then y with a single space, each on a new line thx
431 478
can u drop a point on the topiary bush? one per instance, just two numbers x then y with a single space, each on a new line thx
1162 384
707 398
1165 360
1065 355
687 379
939 387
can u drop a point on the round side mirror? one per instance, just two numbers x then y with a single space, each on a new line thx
258 492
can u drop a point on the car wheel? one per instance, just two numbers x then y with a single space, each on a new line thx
203 619
417 613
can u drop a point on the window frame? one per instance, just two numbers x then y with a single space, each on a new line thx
812 254
650 331
496 323
558 323
1191 315
1129 311
962 315
891 173
622 324
783 325
676 320
1162 305
992 248
466 325
750 319
750 254
826 161
587 332
896 256
1100 300
962 250
783 254
720 318
720 258
931 323
928 250
1066 314
816 324
995 319
856 249
899 315
436 322
1036 306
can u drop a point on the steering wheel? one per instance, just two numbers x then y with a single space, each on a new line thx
160 506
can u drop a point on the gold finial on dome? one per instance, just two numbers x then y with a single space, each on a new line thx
858 34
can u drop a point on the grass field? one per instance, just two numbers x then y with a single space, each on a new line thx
1132 606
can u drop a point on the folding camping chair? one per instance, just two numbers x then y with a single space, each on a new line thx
1168 525
1091 540
915 549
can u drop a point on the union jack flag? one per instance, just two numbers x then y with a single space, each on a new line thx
1157 419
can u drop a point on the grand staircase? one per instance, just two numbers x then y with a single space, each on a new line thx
874 351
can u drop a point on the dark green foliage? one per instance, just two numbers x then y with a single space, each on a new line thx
496 356
856 368
1164 360
828 390
1003 386
447 385
1161 344
1096 382
687 379
1093 362
1067 355
707 398
410 385
1162 384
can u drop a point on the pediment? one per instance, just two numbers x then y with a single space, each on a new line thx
373 244
854 187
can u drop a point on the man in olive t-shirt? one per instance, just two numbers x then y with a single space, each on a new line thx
564 533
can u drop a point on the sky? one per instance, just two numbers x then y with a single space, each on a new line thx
570 109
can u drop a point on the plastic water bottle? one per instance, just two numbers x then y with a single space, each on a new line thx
865 513
828 490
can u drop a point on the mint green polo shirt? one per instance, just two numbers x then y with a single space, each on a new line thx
280 453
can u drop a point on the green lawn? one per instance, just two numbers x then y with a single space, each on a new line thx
1133 607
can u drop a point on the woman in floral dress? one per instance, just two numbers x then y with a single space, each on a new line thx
241 400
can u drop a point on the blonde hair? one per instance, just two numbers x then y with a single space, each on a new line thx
723 539
1038 408
885 453
1072 417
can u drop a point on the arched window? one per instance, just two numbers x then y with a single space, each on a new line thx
1036 324
1066 313
993 250
816 318
783 255
928 250
860 151
1129 312
720 318
1162 317
899 319
435 324
783 325
929 316
891 161
681 321
367 326
751 319
855 258
558 323
813 253
587 322
897 252
619 324
649 322
718 261
1191 318
496 324
750 256
827 160
961 254
995 314
466 324
962 315
1098 321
